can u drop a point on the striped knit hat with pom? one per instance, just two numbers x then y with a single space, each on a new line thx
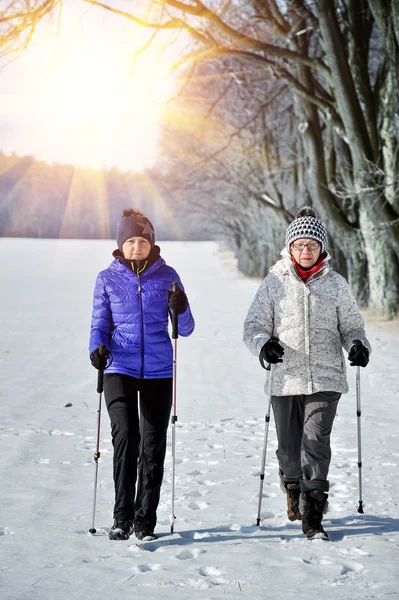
307 226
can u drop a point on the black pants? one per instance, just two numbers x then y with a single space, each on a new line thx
139 444
303 426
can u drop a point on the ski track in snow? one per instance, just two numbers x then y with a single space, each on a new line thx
216 549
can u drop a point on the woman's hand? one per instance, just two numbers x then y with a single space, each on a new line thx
358 355
99 358
177 301
271 352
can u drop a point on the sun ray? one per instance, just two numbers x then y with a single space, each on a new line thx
14 211
160 207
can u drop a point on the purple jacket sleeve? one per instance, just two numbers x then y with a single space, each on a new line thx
185 321
101 322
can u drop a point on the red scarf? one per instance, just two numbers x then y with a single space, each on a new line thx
304 273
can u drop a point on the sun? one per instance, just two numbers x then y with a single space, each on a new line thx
95 100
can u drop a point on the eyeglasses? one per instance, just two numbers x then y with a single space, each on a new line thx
312 246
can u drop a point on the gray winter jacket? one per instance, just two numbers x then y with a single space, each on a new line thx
312 320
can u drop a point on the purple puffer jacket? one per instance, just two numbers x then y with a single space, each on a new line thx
130 316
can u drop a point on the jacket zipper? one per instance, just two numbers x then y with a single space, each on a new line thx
317 275
307 337
138 272
141 327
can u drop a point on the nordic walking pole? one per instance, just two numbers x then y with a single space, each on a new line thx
359 439
100 388
267 421
175 335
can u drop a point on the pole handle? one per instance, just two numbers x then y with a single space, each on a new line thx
175 335
100 376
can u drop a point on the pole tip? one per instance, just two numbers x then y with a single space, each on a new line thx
258 522
92 530
360 509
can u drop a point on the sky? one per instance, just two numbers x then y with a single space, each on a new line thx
77 94
48 421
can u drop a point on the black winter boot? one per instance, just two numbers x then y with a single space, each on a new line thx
314 506
293 494
121 530
145 535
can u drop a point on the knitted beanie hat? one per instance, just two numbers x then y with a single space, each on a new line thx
306 226
134 224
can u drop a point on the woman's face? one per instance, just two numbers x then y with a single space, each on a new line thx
306 252
136 248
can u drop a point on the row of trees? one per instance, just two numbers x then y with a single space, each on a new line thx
281 104
299 105
61 201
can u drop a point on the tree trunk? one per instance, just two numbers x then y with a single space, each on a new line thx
383 267
344 238
381 246
389 137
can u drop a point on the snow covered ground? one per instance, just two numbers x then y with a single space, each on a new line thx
46 450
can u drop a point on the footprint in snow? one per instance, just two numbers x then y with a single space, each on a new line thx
180 461
209 571
351 567
354 552
198 505
196 494
346 570
148 547
190 554
196 535
245 529
195 473
267 515
145 568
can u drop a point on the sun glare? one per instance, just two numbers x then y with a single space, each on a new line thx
93 102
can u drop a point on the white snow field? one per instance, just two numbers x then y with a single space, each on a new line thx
47 467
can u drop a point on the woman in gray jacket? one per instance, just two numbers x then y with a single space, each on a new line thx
300 319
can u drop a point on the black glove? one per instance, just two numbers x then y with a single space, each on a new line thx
99 360
177 301
358 355
271 352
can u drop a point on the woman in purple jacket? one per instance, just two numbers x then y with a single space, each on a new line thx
131 309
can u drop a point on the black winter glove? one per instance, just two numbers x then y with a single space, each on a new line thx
99 361
177 301
358 355
271 352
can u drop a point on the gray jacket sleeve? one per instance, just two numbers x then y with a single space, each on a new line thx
350 321
258 324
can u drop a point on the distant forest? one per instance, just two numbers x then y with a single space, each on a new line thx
42 200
